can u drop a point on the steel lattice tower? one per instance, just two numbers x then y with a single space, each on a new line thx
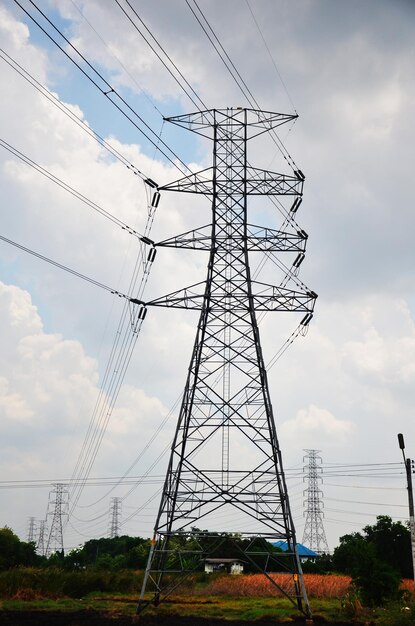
314 536
115 517
225 458
58 509
31 530
41 547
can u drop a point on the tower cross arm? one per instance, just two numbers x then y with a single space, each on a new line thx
258 238
263 182
264 297
202 122
274 298
198 182
257 182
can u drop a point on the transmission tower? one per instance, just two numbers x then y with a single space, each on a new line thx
58 510
225 461
31 531
314 536
115 517
41 540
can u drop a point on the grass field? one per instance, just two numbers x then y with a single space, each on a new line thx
233 598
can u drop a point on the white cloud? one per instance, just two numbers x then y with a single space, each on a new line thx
316 427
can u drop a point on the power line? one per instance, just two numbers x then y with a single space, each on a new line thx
238 79
143 91
121 354
66 269
159 57
230 66
93 205
270 55
70 114
106 89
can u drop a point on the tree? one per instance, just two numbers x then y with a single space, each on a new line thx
392 543
116 553
375 559
14 552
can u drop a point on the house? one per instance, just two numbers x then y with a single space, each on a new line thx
232 566
304 553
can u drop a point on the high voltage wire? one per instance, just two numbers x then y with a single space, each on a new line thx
65 268
76 194
119 360
70 114
238 79
107 89
290 473
123 347
138 30
122 479
143 91
270 55
94 437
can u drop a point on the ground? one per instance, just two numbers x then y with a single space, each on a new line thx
96 618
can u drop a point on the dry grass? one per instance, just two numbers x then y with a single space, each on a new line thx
256 585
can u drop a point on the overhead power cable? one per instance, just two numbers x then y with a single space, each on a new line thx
230 66
70 114
67 269
118 362
128 330
135 26
270 55
105 88
58 181
401 506
111 52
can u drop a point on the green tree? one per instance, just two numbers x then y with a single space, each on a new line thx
372 560
114 554
14 552
392 543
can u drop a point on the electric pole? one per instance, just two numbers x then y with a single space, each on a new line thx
41 540
31 533
57 509
314 536
225 460
115 517
408 467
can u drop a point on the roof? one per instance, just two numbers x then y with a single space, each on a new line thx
223 561
302 550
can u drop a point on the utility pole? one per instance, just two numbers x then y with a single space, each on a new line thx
408 467
314 536
226 462
115 517
58 509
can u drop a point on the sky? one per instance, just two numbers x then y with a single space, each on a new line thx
346 388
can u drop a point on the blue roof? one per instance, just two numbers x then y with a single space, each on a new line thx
302 550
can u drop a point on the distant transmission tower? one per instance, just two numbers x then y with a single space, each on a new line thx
225 473
115 517
314 536
31 532
58 510
41 540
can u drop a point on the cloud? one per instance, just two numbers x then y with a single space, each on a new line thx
384 356
316 427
